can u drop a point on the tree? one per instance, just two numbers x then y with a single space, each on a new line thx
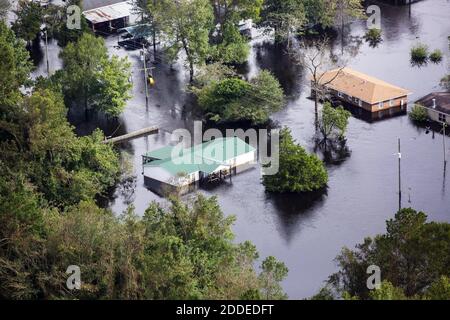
234 99
228 45
185 25
387 292
319 13
232 46
317 60
439 289
345 11
273 272
29 19
14 69
409 254
56 23
92 79
284 17
298 172
333 122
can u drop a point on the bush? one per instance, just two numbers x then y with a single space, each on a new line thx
436 56
299 171
373 36
419 53
418 113
234 99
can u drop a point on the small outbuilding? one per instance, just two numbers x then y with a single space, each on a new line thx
174 169
109 18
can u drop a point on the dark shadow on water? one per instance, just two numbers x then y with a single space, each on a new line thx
293 209
275 58
36 51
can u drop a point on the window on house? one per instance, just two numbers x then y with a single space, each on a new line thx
442 117
339 94
359 102
380 105
391 103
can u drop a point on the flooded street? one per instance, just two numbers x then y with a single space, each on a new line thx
305 233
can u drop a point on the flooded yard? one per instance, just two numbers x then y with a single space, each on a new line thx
308 233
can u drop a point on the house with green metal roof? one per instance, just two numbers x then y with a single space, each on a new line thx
175 167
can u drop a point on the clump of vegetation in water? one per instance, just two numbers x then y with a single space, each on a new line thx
418 114
436 56
373 36
419 54
299 171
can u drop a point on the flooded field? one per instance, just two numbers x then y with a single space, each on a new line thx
307 233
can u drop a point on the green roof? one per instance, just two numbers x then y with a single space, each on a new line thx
206 157
161 154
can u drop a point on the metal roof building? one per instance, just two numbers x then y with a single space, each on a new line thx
177 168
113 16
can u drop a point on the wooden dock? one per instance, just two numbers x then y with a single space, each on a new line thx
133 135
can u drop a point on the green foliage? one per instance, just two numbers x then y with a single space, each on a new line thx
184 25
233 99
183 252
14 69
373 36
319 13
42 145
273 272
436 56
419 53
333 121
418 113
412 255
285 17
387 292
56 21
233 48
92 79
29 19
439 289
299 171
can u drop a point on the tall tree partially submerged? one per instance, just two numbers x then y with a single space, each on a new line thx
93 80
185 27
30 15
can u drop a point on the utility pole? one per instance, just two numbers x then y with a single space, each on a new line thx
399 175
145 75
154 34
444 125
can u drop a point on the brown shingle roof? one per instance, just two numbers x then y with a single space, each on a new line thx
362 86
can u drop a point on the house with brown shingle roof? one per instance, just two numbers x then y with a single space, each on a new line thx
361 90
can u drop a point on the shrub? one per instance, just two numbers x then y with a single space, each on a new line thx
419 53
418 113
436 56
373 36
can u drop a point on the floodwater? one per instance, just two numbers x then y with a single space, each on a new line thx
308 233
